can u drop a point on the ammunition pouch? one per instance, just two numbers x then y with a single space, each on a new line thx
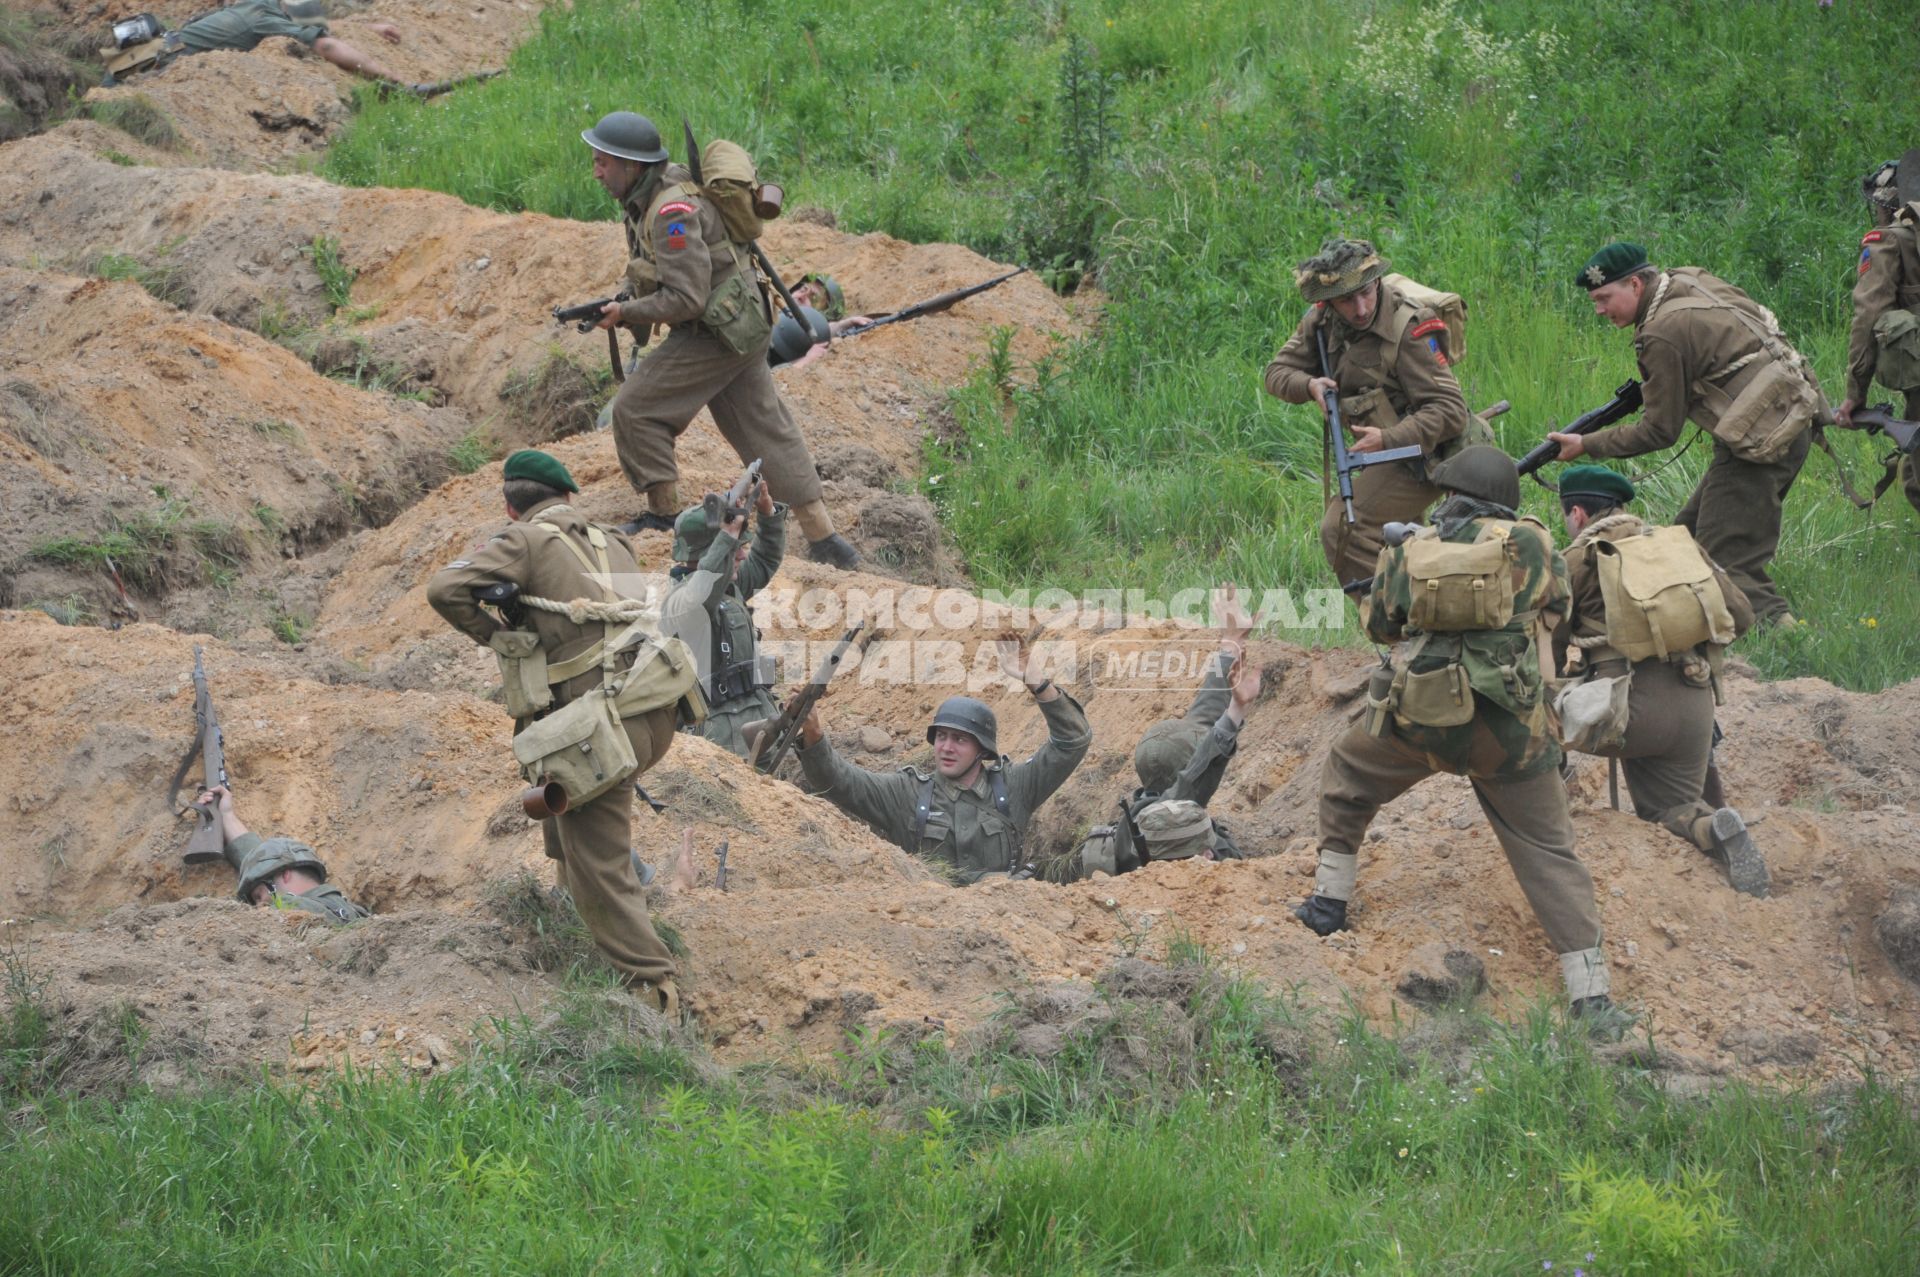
523 672
143 56
1379 704
736 313
583 745
1761 422
1457 586
731 682
1097 851
1896 335
643 278
1440 697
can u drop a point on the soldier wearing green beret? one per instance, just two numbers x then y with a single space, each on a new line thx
281 872
569 574
716 571
1884 342
972 810
1666 747
1710 354
685 272
1390 365
1470 600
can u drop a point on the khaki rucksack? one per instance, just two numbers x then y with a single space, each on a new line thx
1450 307
1454 586
729 180
1660 594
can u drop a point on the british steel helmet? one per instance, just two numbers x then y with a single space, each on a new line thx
627 135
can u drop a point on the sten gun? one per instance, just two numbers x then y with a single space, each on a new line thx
1625 402
1345 462
738 500
210 746
503 597
933 305
783 732
586 316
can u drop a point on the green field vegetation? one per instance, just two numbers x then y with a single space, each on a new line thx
1212 1132
1190 153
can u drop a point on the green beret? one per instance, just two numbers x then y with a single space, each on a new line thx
1342 266
1595 481
1615 261
529 463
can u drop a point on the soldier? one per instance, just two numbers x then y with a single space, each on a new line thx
972 810
1710 354
1180 761
242 26
1472 597
685 271
716 572
281 872
1668 743
1884 343
1390 367
545 551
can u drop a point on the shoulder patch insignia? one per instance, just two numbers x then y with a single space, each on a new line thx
1866 259
675 208
1434 325
1433 344
1872 237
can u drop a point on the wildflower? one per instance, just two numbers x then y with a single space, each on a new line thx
1403 1152
1871 622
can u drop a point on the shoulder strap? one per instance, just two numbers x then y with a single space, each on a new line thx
922 808
1404 313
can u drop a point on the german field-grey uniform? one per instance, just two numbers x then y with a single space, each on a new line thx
244 25
1702 346
977 829
1393 376
707 609
1884 342
681 260
258 859
1668 742
545 553
1470 599
1178 760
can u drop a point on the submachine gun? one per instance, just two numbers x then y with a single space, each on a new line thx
1346 462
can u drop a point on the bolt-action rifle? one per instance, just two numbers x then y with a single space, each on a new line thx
1905 436
932 305
209 745
1625 402
738 500
783 731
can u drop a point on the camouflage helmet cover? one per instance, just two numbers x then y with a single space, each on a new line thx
836 296
1164 752
1881 186
272 856
692 536
1342 266
1175 829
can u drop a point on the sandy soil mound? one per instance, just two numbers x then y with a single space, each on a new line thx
189 445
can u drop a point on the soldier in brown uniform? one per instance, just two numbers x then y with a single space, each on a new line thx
685 272
1469 600
544 551
1390 366
1668 743
1885 339
1710 354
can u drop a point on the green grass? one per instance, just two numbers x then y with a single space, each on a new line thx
336 277
165 280
589 1142
154 546
137 115
1217 142
473 450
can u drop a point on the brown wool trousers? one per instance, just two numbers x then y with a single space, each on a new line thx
592 842
1382 494
691 370
1735 515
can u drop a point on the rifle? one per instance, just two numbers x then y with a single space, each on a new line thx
1879 420
737 502
781 733
933 305
434 88
209 744
586 316
1625 402
1345 462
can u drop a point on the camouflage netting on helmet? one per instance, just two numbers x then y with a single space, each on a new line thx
1342 266
1175 829
1164 752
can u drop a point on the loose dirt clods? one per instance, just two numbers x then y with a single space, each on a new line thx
287 521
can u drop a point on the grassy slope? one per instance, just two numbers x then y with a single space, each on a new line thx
1487 148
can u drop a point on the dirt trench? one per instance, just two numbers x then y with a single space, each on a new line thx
374 736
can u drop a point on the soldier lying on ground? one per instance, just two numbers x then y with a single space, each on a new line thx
973 809
240 27
282 872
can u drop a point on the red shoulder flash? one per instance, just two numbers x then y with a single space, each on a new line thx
677 207
1435 325
1872 237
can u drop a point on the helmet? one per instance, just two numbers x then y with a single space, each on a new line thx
789 340
692 535
1341 267
626 135
1175 829
1481 471
836 296
1880 186
270 857
1164 752
305 10
965 714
